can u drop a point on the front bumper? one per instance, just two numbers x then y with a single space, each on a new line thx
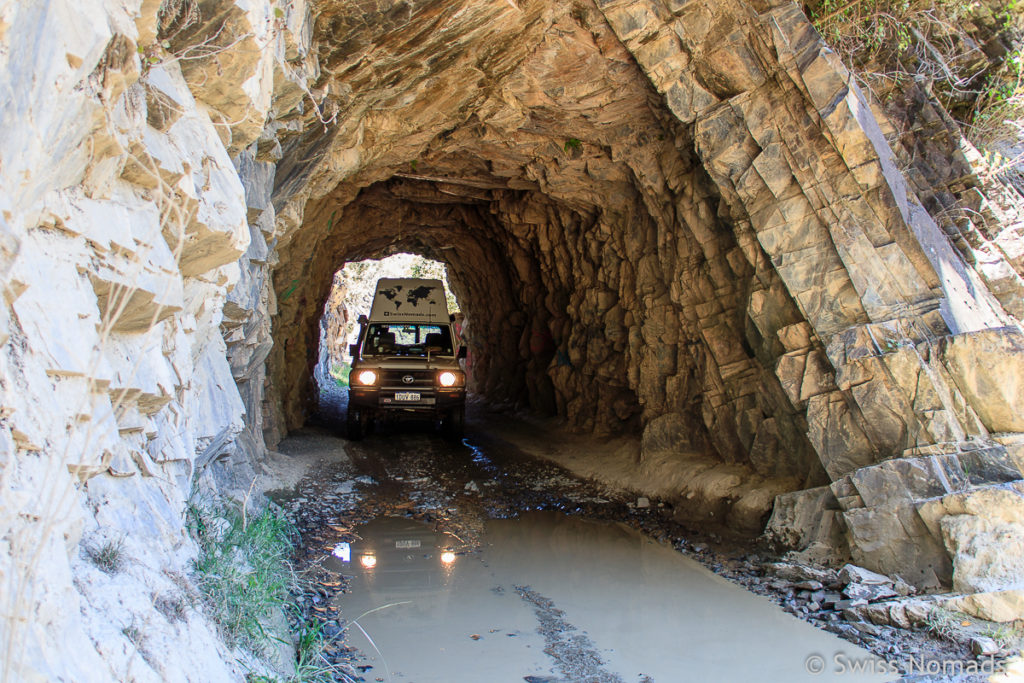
407 389
388 399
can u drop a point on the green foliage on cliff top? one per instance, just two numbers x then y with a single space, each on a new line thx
968 52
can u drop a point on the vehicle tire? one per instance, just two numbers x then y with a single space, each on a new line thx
354 422
455 424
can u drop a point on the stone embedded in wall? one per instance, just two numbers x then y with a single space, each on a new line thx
1000 606
669 433
983 531
988 369
836 432
810 520
893 539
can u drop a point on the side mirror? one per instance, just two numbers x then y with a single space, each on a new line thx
463 351
362 320
353 350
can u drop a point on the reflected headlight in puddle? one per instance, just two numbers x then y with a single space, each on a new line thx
368 561
447 557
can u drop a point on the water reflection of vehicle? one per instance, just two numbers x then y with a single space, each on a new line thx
397 556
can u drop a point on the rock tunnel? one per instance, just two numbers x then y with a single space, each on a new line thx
665 222
596 258
675 221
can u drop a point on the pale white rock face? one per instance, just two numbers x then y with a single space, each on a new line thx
43 43
985 534
122 221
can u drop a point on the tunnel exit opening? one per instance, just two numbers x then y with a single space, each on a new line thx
351 295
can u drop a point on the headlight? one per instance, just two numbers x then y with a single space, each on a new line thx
368 561
367 377
447 557
447 379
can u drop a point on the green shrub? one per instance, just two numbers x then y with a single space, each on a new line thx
340 374
311 666
243 571
896 40
888 44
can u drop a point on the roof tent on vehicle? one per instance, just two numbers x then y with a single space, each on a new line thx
409 300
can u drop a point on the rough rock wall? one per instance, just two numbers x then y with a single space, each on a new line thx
123 220
982 216
334 325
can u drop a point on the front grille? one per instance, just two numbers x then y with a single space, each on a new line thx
392 379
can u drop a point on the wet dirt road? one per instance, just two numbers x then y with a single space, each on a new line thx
475 562
554 597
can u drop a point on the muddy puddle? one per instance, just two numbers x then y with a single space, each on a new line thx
556 598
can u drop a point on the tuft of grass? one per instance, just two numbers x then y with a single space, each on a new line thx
135 635
171 606
243 571
944 624
996 125
1006 635
109 557
311 663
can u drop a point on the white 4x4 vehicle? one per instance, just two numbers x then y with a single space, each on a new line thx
406 361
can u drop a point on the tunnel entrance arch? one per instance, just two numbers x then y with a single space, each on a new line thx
690 231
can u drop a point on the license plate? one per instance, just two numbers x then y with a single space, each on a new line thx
407 544
407 396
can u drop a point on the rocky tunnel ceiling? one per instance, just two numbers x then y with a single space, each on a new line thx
662 219
586 244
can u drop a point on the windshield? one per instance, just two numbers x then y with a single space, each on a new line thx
407 339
